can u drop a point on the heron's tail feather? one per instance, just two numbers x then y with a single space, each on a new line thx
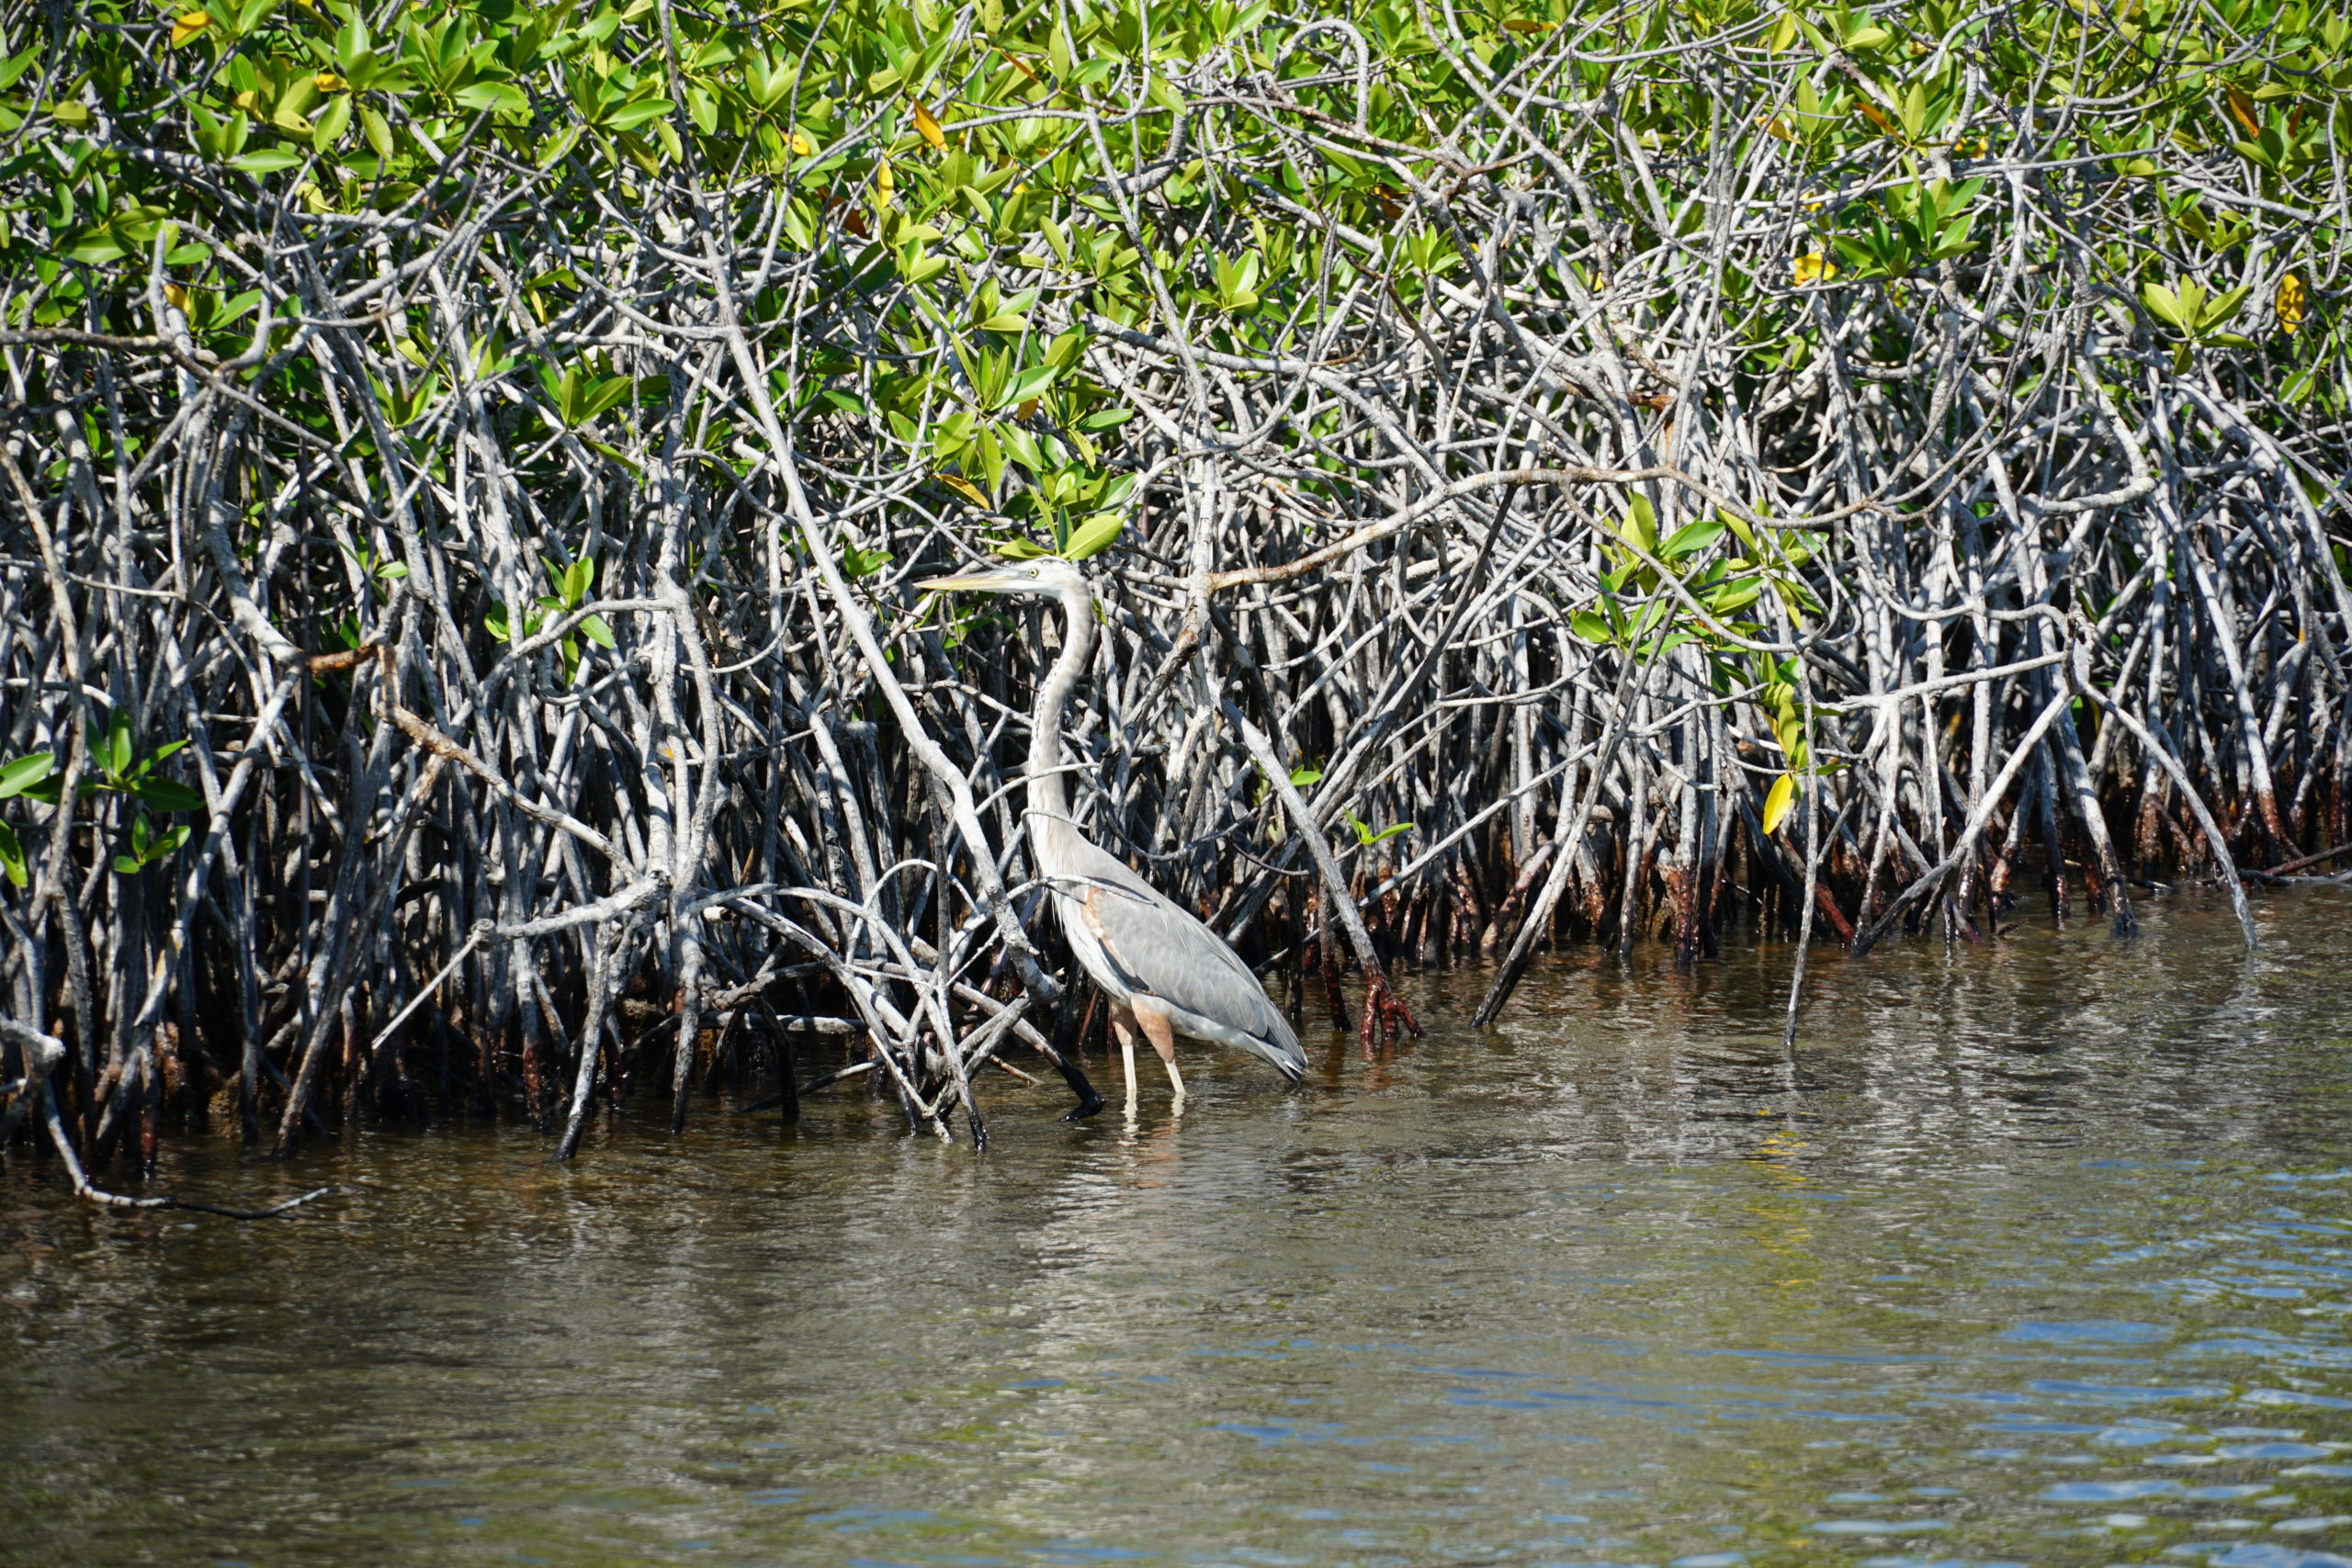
1279 1047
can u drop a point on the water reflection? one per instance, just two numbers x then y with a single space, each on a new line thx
2033 1254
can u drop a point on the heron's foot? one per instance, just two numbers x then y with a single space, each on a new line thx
1092 1104
1385 1017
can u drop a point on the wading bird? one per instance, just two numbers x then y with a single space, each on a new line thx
1164 972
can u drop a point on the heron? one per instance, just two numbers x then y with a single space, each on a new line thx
1164 973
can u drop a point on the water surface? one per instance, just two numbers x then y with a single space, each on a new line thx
2036 1253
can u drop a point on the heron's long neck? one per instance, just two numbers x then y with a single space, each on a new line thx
1046 793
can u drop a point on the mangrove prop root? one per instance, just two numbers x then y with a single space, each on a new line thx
1585 481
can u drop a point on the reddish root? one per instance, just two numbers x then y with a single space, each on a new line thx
1385 1015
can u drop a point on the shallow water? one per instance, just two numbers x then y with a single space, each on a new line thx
2034 1254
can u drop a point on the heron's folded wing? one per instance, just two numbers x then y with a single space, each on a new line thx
1164 951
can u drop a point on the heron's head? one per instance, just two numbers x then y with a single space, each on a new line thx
1043 574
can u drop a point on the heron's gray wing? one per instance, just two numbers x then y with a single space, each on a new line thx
1162 950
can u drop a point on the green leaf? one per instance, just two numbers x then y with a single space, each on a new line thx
1017 549
21 776
2221 308
1735 594
332 121
166 795
1030 383
267 161
604 395
1303 776
597 630
629 116
12 855
379 133
98 248
125 866
1691 539
1641 523
2163 304
1005 322
916 267
609 450
1094 536
504 96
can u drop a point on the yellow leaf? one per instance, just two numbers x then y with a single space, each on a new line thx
1521 25
884 185
189 24
929 128
2243 106
963 488
177 297
327 82
1782 796
2292 297
1814 267
802 144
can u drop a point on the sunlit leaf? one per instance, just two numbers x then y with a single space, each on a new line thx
2290 304
268 160
26 773
1094 536
1691 538
965 488
929 128
1778 800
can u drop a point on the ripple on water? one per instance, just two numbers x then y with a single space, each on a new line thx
2032 1252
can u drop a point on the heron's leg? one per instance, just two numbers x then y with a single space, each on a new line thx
1162 1035
1123 1024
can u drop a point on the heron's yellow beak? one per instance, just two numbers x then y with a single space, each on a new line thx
967 583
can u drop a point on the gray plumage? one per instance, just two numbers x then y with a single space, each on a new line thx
1133 940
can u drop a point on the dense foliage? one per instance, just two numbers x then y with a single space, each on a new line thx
465 461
